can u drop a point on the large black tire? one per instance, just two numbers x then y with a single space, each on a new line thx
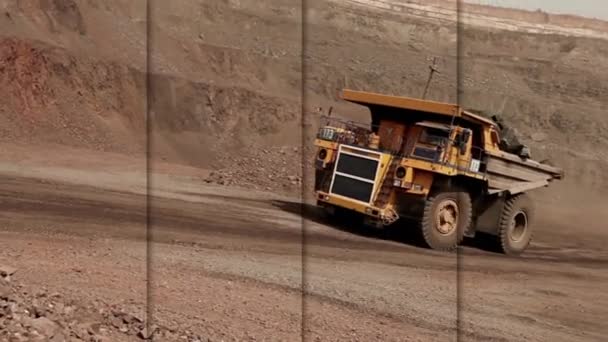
514 229
433 224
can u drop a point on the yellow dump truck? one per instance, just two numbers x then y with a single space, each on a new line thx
436 163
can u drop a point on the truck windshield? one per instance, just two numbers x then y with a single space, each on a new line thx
433 136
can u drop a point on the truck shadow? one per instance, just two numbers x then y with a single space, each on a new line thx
352 225
482 242
403 231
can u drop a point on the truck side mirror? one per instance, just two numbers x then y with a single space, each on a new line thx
462 146
463 139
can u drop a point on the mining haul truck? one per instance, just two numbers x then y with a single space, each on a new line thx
428 162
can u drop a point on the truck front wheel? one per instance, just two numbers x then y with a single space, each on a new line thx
446 217
514 232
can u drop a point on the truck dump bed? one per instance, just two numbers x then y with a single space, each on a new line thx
504 171
508 172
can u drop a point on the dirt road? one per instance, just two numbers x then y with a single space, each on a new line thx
236 264
230 264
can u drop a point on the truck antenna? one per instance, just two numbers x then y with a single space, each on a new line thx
433 70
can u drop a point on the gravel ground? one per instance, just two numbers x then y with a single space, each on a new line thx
226 263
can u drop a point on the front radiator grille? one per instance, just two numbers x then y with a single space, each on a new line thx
354 177
352 188
357 166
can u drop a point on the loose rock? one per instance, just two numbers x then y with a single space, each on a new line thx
44 326
7 271
40 316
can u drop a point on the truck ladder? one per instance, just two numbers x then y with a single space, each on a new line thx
385 189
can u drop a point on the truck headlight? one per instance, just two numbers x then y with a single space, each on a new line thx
400 173
322 154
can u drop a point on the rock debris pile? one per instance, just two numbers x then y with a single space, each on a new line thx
46 316
276 169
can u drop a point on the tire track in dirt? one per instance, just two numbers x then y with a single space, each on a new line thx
221 236
96 205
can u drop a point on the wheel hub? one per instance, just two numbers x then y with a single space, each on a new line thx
447 217
519 225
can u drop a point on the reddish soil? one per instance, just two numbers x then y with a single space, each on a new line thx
227 250
228 263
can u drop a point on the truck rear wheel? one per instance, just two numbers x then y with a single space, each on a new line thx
514 232
446 217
